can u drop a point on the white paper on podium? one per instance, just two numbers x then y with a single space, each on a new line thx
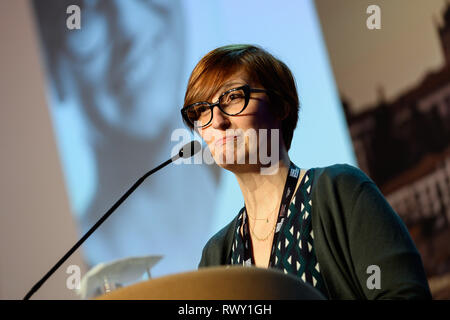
117 273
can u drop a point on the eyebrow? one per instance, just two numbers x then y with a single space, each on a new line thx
229 85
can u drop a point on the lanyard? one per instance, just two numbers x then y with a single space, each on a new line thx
289 188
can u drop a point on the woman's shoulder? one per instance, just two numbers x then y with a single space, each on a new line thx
341 176
343 191
341 183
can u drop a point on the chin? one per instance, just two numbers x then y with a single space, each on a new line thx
241 162
233 167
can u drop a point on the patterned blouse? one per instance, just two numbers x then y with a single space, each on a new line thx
293 244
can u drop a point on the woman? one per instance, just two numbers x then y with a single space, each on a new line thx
329 226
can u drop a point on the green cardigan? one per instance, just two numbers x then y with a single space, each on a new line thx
354 228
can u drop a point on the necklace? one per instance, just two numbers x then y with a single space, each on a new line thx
266 218
264 238
252 229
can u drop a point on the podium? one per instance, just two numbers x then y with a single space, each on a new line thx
219 283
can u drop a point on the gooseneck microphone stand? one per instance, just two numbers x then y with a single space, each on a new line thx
186 151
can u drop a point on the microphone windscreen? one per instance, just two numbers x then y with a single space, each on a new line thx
189 149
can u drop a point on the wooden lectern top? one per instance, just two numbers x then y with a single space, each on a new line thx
220 283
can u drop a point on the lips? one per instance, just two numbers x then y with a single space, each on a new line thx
224 140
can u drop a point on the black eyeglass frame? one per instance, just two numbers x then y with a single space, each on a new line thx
247 90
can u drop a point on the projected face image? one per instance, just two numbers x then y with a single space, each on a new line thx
115 56
116 84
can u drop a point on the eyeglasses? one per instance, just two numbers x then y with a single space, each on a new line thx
231 102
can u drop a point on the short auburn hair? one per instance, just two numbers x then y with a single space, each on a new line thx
262 67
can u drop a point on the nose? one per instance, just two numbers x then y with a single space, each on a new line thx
220 120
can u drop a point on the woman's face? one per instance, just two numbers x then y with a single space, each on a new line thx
244 130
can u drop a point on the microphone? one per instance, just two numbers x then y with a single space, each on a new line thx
187 151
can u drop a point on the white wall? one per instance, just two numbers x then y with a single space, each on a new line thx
36 226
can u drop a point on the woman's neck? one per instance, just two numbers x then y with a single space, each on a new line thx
262 193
